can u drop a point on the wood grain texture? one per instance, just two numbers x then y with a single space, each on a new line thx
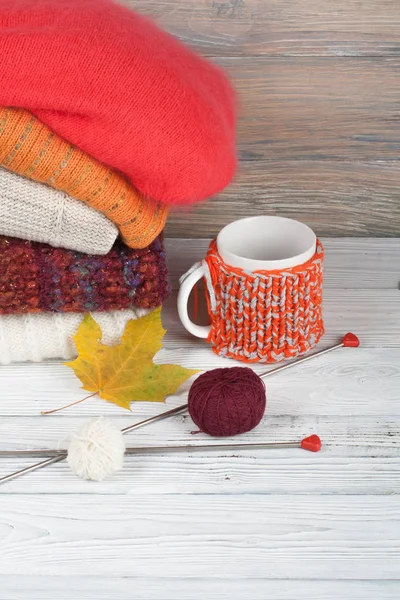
331 109
280 27
339 384
333 429
318 141
155 588
292 475
334 198
247 536
318 134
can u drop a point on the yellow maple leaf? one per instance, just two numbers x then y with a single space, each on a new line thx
126 372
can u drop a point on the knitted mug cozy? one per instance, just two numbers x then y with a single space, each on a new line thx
35 277
264 316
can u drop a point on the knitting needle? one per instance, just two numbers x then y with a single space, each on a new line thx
350 340
311 443
35 467
61 456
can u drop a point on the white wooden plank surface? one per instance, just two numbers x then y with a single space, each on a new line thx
152 588
361 381
381 436
224 536
283 524
222 473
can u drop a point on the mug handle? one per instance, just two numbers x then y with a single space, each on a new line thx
200 331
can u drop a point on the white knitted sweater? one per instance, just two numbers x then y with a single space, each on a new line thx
33 211
40 336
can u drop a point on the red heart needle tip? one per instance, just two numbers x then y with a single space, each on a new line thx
350 340
311 443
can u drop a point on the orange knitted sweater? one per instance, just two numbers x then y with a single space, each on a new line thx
30 148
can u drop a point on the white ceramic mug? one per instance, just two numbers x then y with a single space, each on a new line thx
253 244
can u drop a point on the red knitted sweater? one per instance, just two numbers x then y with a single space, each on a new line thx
112 83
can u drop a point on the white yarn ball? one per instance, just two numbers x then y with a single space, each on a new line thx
97 450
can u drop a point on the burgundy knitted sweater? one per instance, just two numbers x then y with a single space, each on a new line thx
36 277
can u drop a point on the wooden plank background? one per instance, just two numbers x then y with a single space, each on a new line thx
319 98
228 525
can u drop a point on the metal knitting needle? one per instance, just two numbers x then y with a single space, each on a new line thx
35 467
350 340
311 443
160 417
62 455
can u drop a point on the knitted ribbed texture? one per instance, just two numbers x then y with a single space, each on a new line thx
30 148
35 212
38 278
266 316
111 82
41 336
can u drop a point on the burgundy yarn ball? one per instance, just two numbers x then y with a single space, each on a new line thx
227 401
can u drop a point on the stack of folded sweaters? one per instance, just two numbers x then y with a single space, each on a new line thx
105 121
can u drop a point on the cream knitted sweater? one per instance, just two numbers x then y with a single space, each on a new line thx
33 211
40 336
